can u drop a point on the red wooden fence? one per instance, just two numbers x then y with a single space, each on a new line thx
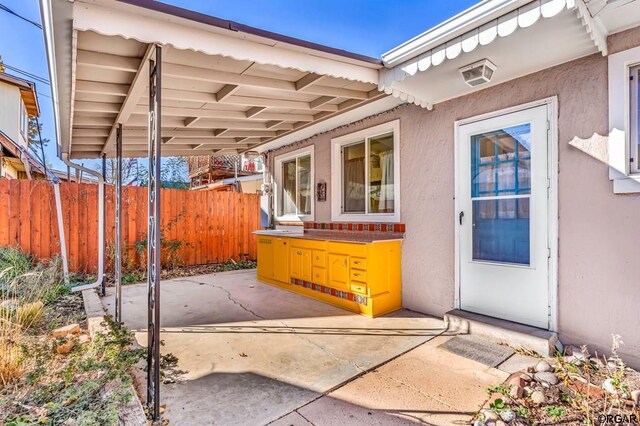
212 226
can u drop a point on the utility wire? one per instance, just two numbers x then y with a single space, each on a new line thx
6 9
28 74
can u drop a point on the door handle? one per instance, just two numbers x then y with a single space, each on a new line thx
460 216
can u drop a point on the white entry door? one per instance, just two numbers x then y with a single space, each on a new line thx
503 199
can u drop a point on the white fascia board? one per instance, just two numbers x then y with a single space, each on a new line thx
56 17
116 21
349 117
471 18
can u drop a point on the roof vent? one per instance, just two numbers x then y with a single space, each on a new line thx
478 73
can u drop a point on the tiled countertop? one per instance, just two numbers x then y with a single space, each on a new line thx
338 236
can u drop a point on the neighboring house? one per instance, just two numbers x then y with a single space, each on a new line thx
18 102
503 142
205 171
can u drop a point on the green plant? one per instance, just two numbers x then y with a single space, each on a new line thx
29 314
13 263
555 411
521 411
501 389
498 405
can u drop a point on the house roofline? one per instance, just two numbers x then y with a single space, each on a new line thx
202 18
27 89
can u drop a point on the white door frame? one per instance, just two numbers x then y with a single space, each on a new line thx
552 215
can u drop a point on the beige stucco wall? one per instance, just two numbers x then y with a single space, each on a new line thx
7 170
599 231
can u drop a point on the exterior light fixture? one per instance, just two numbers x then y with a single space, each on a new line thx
478 73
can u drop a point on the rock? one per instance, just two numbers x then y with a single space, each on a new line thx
526 377
517 381
83 338
516 392
546 378
543 367
500 423
64 348
635 397
527 391
507 415
609 386
538 398
478 423
66 330
489 415
9 304
491 423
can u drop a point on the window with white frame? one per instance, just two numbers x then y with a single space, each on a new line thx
634 117
24 121
365 175
294 185
624 118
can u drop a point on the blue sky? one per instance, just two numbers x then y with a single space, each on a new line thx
369 27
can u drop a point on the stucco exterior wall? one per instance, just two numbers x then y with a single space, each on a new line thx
599 231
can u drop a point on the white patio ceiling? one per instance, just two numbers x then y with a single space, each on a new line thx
222 90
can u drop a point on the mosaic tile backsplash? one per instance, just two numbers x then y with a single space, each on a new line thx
370 227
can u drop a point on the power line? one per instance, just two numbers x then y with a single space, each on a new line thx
6 9
28 74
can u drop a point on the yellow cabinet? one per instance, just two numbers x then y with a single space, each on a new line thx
367 275
300 263
265 257
280 260
339 271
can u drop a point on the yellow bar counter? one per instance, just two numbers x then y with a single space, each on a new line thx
360 272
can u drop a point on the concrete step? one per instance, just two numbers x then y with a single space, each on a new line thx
516 335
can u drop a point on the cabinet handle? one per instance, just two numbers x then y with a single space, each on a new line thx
317 275
317 257
356 275
357 262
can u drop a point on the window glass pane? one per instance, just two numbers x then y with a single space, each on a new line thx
289 194
381 185
304 185
501 230
500 162
635 109
353 178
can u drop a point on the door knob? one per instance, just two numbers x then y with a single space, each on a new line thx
460 216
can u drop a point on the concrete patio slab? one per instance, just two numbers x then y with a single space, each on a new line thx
254 353
426 385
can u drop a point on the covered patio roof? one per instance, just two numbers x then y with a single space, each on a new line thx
226 87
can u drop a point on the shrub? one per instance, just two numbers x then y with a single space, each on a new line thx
29 314
13 263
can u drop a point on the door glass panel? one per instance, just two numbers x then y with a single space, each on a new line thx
500 191
304 185
353 171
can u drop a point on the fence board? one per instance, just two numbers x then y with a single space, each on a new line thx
213 226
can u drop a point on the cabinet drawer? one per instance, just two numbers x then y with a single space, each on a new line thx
358 263
357 275
359 288
319 258
319 276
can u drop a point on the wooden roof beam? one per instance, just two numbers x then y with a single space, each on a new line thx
226 91
320 102
100 88
137 88
308 80
253 111
107 61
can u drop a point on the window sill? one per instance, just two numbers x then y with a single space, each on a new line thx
295 218
627 185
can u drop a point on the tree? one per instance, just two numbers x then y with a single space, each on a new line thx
2 68
133 173
34 134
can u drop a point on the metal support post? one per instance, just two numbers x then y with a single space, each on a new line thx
118 248
103 286
153 235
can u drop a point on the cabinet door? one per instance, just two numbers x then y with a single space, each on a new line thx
295 255
265 257
305 265
281 260
339 271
